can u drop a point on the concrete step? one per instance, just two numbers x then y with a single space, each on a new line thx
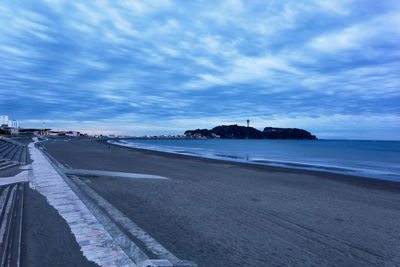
10 165
3 199
5 163
11 226
20 154
24 155
4 149
17 154
5 220
7 151
13 153
3 144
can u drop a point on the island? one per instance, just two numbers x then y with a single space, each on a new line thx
243 132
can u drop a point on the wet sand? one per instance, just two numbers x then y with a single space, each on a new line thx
221 213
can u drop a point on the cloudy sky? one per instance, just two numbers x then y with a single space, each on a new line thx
163 66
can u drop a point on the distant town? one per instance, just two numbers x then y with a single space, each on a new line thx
12 127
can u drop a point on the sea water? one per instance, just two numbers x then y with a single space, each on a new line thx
374 159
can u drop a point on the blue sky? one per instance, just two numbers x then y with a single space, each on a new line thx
163 66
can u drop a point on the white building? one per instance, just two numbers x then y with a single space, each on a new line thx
4 120
72 133
13 124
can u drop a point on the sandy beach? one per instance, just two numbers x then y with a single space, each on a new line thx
47 240
221 213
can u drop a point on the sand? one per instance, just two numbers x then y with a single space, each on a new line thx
220 213
47 240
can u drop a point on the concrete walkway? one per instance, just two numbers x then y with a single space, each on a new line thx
112 174
20 177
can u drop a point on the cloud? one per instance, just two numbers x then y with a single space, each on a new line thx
360 35
345 39
339 6
245 69
158 63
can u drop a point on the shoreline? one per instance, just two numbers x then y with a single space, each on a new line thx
337 176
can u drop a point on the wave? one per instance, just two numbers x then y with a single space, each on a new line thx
369 169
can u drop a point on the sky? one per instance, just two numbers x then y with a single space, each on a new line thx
162 66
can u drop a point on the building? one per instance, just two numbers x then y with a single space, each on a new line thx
13 124
4 121
72 133
13 131
8 126
34 131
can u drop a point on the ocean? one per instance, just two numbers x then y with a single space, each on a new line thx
373 159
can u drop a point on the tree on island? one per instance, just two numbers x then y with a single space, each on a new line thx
242 132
